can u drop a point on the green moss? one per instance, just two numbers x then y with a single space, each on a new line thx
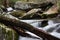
18 13
8 33
49 16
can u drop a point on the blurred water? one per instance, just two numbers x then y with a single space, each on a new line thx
33 23
52 28
26 38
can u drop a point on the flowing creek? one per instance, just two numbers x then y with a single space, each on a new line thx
53 28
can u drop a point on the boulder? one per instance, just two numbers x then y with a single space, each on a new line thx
18 13
26 5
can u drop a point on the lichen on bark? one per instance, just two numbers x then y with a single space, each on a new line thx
7 33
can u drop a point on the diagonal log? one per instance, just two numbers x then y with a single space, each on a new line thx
8 20
23 33
33 11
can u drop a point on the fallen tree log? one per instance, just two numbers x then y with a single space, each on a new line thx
23 33
8 20
7 33
33 11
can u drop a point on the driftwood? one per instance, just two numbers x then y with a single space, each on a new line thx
33 11
8 20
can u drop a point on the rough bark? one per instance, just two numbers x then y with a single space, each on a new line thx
7 33
23 33
16 22
33 11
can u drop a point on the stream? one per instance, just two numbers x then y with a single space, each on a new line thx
53 28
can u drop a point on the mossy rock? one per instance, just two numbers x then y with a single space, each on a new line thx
7 33
18 13
42 16
49 16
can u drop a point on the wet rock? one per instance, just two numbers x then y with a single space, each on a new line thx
26 5
44 23
18 13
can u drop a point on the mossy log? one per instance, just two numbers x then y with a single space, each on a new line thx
7 33
19 30
18 13
17 23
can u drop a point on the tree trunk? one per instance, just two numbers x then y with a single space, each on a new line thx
7 33
14 22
